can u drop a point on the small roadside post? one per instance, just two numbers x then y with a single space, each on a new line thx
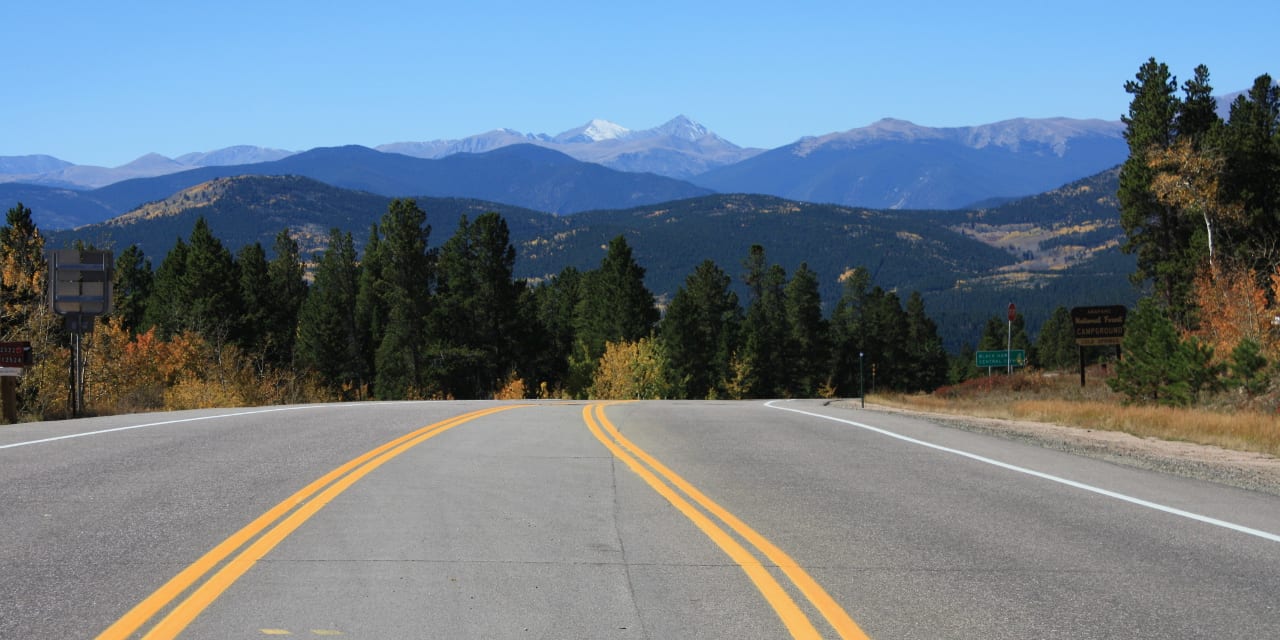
1013 313
862 394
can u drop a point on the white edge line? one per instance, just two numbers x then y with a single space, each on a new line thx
157 424
1070 483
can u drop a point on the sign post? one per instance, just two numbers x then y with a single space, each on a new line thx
1098 327
79 291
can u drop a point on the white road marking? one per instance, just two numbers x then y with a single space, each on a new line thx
1038 474
157 424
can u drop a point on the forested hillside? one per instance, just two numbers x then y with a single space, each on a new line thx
968 265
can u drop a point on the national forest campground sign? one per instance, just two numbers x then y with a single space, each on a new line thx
1098 326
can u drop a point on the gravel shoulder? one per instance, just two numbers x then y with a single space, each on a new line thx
1245 470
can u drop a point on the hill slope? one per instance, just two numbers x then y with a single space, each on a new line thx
966 276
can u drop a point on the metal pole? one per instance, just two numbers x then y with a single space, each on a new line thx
1008 349
861 388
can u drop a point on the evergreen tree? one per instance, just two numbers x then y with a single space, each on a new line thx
329 340
849 333
964 365
1156 232
1248 368
764 334
286 280
131 287
699 332
407 276
1056 345
197 289
1252 174
169 292
1197 117
256 298
1154 367
476 329
550 310
886 341
371 307
926 359
615 307
807 351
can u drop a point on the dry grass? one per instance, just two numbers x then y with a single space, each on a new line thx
1032 396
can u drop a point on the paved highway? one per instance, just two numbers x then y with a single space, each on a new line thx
636 520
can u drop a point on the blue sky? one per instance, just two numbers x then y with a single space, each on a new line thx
105 82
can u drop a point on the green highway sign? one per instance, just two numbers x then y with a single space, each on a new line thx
1002 358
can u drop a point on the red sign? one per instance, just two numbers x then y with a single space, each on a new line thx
1013 312
15 354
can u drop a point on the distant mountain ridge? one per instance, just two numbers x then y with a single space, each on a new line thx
519 175
895 164
50 171
680 148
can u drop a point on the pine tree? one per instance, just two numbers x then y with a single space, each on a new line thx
615 307
256 298
406 280
1248 368
849 333
1156 232
169 293
764 333
286 279
197 289
476 329
1252 173
926 358
699 332
1056 345
548 311
329 340
886 341
1154 367
131 287
807 351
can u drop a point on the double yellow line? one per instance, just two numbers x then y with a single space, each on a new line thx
261 537
649 469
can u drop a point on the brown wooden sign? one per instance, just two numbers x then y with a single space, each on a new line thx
15 354
1099 326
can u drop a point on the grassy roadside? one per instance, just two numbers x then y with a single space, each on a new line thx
1059 399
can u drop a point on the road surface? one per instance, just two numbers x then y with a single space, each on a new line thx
632 520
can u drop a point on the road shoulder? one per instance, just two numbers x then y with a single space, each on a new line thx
1245 470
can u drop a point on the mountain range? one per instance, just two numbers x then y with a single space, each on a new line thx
891 164
520 175
680 148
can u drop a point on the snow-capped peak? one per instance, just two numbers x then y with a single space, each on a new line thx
683 128
594 131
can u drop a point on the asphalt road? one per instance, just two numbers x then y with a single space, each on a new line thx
692 520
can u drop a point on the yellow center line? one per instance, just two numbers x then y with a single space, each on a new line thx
836 616
792 617
313 497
